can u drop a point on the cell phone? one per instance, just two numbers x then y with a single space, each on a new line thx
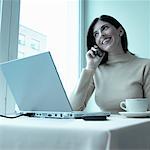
99 52
102 54
95 117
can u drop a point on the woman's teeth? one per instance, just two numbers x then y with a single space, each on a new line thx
106 40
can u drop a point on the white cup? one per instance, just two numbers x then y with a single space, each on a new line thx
135 105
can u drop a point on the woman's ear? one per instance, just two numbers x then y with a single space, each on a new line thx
120 31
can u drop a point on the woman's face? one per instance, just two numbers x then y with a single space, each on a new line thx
107 37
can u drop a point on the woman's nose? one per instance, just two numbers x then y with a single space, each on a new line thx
101 35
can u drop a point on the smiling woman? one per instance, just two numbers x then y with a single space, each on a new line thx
115 76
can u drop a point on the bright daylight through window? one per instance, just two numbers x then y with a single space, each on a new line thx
52 25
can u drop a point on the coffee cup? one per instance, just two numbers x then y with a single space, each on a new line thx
135 105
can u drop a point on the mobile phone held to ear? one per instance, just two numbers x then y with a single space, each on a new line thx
102 54
98 52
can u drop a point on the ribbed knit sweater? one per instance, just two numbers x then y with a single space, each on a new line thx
123 76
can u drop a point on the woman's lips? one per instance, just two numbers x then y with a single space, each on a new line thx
106 40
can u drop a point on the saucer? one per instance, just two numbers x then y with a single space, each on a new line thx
135 114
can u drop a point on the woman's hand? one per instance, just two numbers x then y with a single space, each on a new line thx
93 60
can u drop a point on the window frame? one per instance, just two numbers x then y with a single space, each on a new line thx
9 26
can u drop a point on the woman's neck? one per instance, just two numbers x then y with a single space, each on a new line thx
116 51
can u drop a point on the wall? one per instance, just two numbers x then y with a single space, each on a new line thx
134 15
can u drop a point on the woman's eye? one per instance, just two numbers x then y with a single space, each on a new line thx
104 28
96 34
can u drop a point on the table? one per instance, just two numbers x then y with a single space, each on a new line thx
117 133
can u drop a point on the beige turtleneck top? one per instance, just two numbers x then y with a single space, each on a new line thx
123 76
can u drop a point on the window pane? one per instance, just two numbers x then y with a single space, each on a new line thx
21 39
51 25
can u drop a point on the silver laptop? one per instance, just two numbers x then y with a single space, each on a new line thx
38 90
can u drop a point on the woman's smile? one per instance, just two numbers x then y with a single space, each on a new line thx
106 40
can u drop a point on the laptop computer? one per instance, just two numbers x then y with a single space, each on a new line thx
38 90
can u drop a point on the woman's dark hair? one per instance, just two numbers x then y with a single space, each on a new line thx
91 39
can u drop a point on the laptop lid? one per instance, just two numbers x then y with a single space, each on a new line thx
35 84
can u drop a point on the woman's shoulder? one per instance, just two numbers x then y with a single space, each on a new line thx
144 61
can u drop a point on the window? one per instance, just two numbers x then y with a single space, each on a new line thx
35 44
51 25
54 28
21 39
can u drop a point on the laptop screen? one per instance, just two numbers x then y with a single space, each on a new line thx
35 83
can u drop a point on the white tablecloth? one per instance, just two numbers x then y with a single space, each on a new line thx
117 133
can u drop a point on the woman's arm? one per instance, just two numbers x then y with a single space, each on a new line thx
83 90
85 86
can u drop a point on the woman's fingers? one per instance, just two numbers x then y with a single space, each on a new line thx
91 53
96 51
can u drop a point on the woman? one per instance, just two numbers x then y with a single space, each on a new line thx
112 71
